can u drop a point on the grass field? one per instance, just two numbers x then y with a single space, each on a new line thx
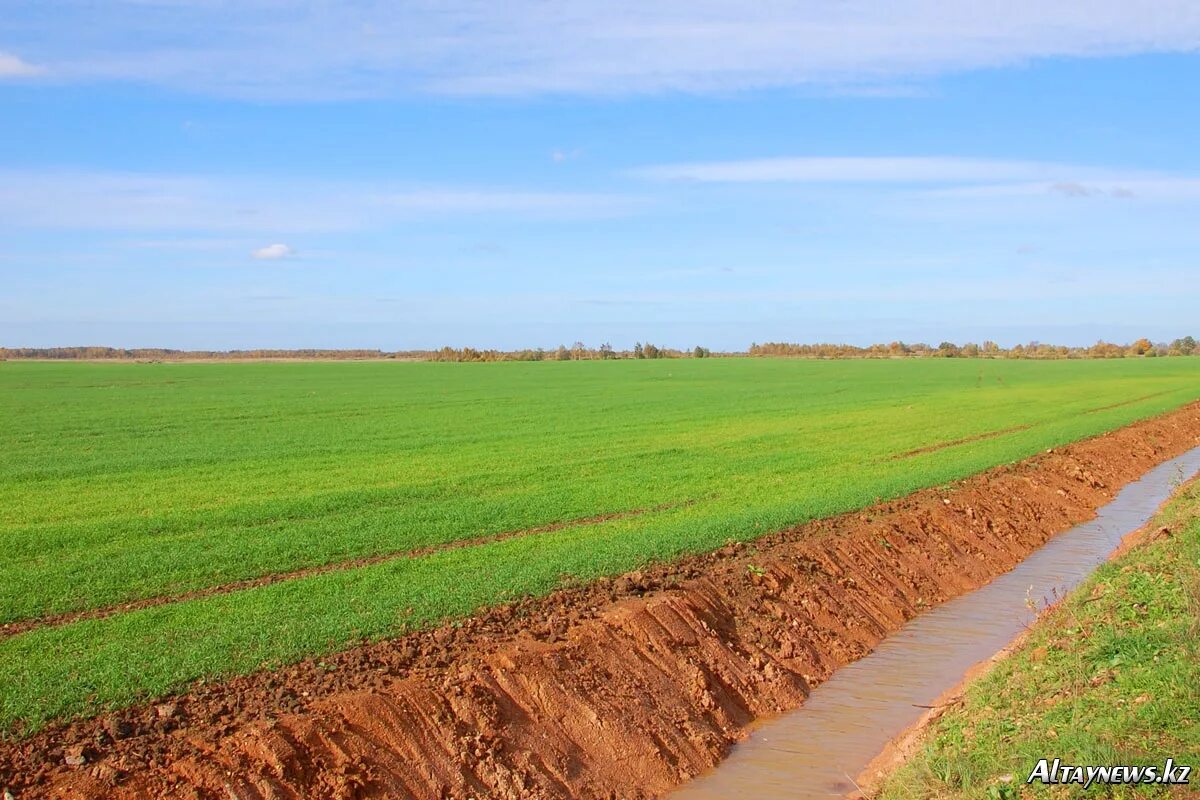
120 482
1107 678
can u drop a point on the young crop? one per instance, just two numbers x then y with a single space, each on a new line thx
382 497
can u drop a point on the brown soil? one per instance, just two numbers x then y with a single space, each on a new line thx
622 688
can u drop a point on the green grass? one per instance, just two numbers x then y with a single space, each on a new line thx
1109 677
120 482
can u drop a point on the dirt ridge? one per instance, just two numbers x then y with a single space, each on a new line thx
623 688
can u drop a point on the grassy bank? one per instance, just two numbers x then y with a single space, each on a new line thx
1107 677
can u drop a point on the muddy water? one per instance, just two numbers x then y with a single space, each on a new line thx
818 750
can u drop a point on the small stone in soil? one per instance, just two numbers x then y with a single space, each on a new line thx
75 757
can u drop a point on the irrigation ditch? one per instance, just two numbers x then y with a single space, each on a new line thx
831 746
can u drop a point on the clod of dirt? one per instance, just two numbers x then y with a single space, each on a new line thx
632 583
118 728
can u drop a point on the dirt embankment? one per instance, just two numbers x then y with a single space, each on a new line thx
624 688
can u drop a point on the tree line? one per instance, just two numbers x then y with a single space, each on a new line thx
166 354
576 352
1141 348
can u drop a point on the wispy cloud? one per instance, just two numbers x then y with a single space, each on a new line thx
562 155
907 169
12 66
941 176
135 201
1114 186
372 48
1074 189
184 244
471 201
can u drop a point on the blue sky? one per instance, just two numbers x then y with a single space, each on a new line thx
210 174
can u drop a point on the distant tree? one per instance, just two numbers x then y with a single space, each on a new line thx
606 351
1141 347
1186 346
700 352
948 350
562 353
638 350
651 351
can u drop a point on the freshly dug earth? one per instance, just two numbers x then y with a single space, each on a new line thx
623 688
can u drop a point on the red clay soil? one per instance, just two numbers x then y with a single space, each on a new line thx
623 688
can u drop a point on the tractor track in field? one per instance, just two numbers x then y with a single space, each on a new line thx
623 687
66 618
1124 403
979 437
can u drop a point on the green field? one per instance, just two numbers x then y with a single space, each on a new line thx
121 482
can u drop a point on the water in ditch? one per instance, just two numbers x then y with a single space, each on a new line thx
817 751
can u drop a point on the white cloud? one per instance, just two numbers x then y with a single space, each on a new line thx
13 67
1074 189
372 47
560 155
206 244
1115 185
481 201
941 176
273 252
918 169
870 169
134 201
